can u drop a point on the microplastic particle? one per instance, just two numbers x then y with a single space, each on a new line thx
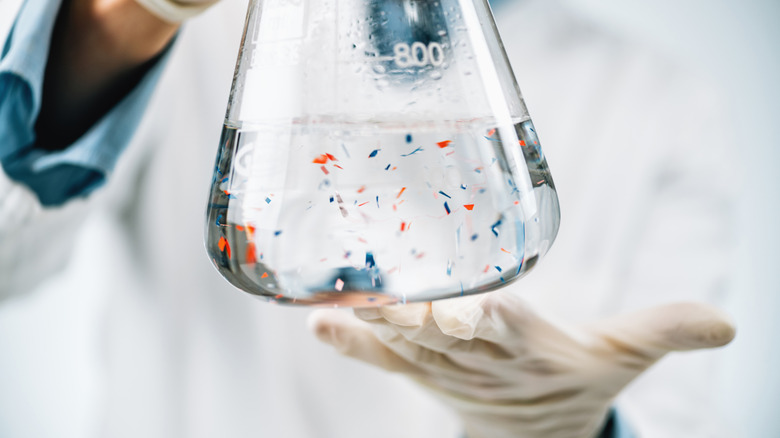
324 170
463 186
331 157
267 200
403 226
360 205
217 222
498 268
503 250
468 207
400 193
444 144
361 189
461 289
331 199
251 256
522 142
278 296
388 166
322 159
339 284
449 268
225 179
373 153
239 228
377 201
442 193
408 138
370 263
491 132
447 208
474 237
224 245
337 166
412 152
539 182
277 232
346 152
494 226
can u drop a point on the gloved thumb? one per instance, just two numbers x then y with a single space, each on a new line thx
656 331
355 338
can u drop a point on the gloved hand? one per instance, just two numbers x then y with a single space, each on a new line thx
507 371
176 11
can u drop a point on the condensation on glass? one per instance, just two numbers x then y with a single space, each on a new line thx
376 152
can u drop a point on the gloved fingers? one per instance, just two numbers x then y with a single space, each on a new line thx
651 333
416 323
499 317
174 11
354 338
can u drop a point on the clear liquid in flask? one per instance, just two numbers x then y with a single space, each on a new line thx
365 214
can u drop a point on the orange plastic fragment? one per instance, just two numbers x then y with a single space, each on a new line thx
468 207
361 189
401 192
265 275
322 159
251 254
324 170
444 144
331 157
222 242
403 226
522 142
239 228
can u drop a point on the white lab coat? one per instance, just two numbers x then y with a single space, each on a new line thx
138 336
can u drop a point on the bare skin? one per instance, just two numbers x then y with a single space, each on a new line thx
100 50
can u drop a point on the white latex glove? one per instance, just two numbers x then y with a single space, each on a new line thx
176 11
507 371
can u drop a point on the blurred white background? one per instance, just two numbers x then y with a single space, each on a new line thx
738 44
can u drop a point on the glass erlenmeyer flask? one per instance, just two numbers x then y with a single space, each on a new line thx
375 152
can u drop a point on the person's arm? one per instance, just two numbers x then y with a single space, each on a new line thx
100 50
100 60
